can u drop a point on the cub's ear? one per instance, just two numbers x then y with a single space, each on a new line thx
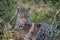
18 9
29 8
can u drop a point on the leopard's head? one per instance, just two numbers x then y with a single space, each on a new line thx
23 17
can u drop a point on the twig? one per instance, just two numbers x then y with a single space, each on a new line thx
29 35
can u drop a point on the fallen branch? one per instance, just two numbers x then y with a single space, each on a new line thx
29 34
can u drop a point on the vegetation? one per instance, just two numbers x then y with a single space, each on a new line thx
41 10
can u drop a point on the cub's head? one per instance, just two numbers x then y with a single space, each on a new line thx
23 17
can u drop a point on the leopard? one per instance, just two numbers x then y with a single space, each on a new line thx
26 30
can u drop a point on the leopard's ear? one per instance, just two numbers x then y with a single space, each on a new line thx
29 8
18 9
